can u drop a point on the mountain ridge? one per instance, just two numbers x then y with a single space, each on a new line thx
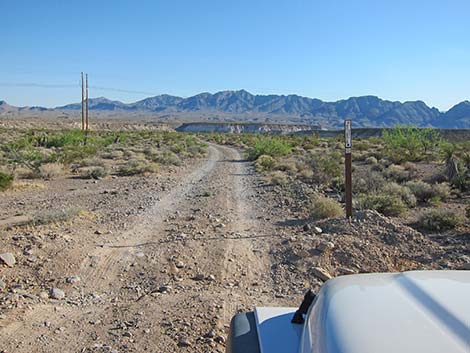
366 111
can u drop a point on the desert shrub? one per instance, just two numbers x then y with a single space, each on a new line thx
95 172
439 219
278 178
6 180
322 207
397 173
136 167
50 216
425 192
337 183
387 204
287 166
264 163
371 160
271 146
361 145
364 183
327 167
91 162
403 192
410 143
442 191
51 170
168 158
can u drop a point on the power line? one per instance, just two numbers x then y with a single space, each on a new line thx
46 85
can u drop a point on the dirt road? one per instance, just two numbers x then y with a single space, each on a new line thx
168 280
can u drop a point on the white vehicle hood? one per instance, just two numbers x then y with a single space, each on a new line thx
418 312
415 312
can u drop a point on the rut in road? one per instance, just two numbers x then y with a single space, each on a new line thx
198 242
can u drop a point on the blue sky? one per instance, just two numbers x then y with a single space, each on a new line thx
334 49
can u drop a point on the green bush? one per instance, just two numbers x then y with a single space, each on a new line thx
264 163
403 192
439 219
5 181
406 143
322 207
271 146
387 204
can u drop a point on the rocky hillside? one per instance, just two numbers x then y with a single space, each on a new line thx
366 111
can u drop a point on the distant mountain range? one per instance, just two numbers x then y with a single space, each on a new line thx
366 111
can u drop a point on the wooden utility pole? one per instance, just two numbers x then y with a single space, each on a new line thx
348 167
86 123
83 102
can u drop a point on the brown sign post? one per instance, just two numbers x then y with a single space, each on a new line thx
348 167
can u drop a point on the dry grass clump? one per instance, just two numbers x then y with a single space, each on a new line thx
439 219
278 178
93 172
398 173
51 216
371 160
137 167
51 170
322 207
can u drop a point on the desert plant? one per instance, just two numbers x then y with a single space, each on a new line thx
425 192
371 160
322 207
278 178
6 180
401 191
95 172
271 146
406 143
439 219
135 167
387 204
397 173
51 170
50 216
264 163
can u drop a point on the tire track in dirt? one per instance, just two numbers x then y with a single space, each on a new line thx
97 276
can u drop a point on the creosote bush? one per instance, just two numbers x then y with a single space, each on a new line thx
322 207
271 146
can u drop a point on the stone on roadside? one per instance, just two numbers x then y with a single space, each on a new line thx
317 230
2 285
184 342
321 273
72 279
57 293
326 246
345 271
8 259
